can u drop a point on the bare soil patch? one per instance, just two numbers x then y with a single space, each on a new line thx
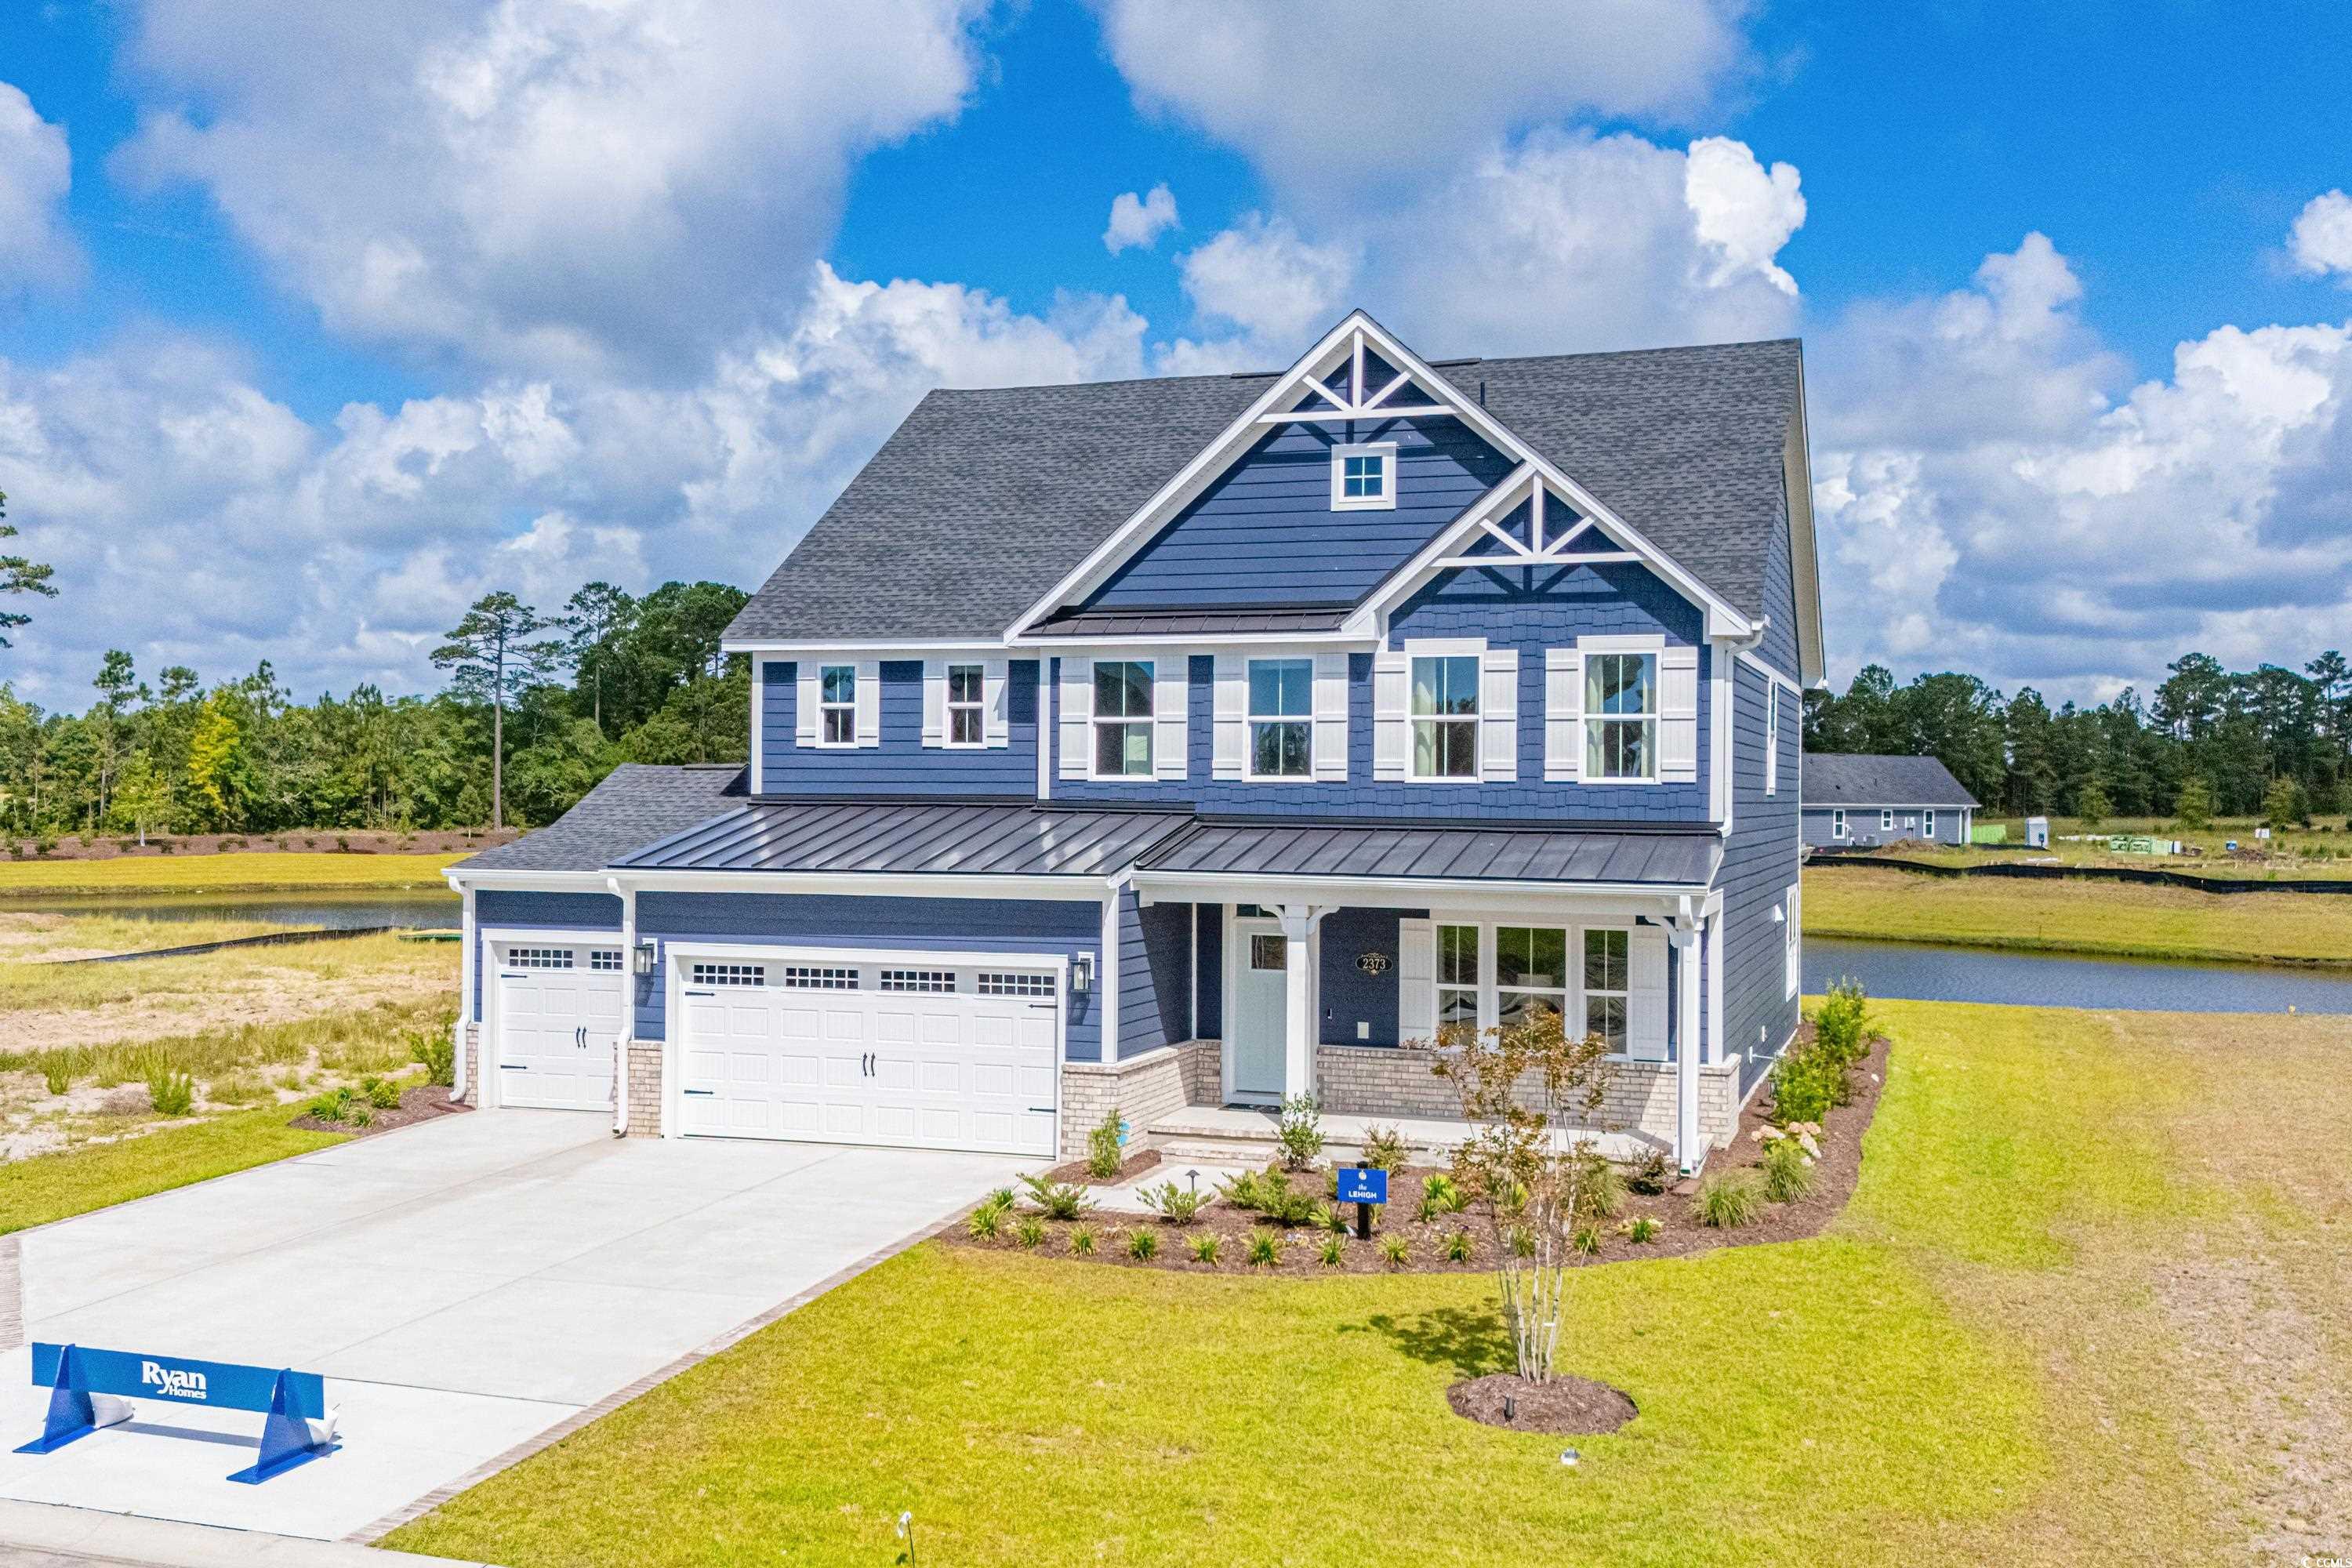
425 1103
1570 1406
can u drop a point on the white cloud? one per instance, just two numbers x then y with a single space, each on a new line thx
36 172
1138 222
1274 288
1995 495
1743 214
2321 240
1328 106
540 186
194 521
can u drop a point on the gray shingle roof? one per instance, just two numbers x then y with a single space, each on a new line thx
982 500
1846 780
635 804
1481 854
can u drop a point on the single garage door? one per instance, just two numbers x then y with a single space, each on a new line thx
852 1049
559 1014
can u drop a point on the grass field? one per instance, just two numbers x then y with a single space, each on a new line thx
58 1187
2090 1304
2120 919
2321 850
231 872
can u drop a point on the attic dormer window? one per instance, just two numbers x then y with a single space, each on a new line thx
1363 477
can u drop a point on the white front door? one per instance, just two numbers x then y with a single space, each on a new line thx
558 1016
1261 1009
894 1049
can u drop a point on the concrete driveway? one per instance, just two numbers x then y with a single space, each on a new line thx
463 1286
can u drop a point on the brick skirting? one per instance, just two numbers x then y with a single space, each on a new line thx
471 1089
1143 1087
645 1088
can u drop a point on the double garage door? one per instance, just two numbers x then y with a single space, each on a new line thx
895 1049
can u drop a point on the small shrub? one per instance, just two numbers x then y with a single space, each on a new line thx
1841 1027
1083 1241
382 1092
125 845
58 1068
1029 1230
438 1050
244 1088
1805 1083
1241 1191
1651 1175
1265 1251
1641 1230
46 844
1327 1217
1331 1253
342 843
1606 1185
1278 1202
172 1093
1057 1200
1395 1251
1788 1173
1384 1148
332 1106
1143 1246
1585 1240
1460 1246
1103 1152
1300 1132
1003 1198
1522 1241
1206 1246
358 1113
1439 1197
163 846
987 1221
1175 1204
1728 1201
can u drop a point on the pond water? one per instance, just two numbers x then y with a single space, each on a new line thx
1927 973
337 910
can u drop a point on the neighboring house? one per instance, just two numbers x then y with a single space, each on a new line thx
1194 741
1854 802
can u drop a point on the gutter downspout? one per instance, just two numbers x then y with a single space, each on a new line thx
467 937
628 1032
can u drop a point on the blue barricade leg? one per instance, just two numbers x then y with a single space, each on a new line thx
285 1439
71 1415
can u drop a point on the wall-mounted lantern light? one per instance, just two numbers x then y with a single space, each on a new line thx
647 953
1082 974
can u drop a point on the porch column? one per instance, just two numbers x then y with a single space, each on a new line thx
1686 934
1298 1030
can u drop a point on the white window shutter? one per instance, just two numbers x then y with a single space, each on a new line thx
1229 728
1678 715
1331 718
869 702
1416 980
1169 711
1498 715
805 723
935 703
1563 715
1392 726
995 722
1645 997
1078 714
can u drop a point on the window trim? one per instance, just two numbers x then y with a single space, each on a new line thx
1927 823
1624 994
1252 718
1837 822
1096 719
1886 821
1476 652
1384 450
1490 988
1650 718
847 708
977 707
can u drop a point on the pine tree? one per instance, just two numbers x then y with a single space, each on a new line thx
2195 806
492 656
19 576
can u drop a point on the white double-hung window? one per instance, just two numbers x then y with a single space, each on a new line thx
1444 697
1608 983
1457 977
967 705
837 705
1281 718
1530 973
1837 823
1621 717
1122 718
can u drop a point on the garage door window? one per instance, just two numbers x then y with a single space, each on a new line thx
538 958
803 977
729 975
1015 984
942 980
607 959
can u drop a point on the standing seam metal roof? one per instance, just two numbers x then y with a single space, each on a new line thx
974 839
1451 854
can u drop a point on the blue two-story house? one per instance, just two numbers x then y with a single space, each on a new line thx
1199 742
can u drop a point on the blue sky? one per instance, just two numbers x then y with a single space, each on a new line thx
314 326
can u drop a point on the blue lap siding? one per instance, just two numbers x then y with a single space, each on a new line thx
901 764
1759 867
1863 826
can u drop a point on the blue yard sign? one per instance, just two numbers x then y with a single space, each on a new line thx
1362 1184
78 1376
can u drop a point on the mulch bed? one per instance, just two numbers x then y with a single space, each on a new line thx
425 1103
1679 1233
1571 1406
1134 1165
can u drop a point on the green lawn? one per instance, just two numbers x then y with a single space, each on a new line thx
2119 919
1995 1356
58 1186
239 872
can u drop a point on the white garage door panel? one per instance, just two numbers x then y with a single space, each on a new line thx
558 1019
923 1069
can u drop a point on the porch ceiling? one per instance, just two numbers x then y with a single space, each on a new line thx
1449 854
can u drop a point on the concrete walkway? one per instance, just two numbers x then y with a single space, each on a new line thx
42 1535
466 1287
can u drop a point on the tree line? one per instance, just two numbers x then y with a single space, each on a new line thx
537 710
2269 743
